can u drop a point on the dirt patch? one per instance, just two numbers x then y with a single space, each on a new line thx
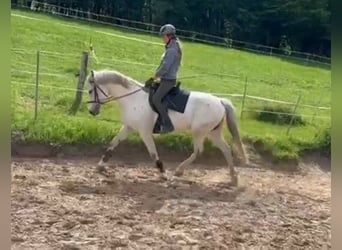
64 204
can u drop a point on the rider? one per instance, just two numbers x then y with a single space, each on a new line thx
166 74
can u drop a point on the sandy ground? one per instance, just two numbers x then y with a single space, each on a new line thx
65 204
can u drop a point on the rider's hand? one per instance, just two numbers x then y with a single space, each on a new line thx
149 82
156 79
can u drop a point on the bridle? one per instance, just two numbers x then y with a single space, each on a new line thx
108 98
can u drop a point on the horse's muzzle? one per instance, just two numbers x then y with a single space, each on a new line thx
93 113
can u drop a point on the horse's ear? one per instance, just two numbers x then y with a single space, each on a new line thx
92 73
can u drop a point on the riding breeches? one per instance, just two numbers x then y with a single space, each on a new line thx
164 87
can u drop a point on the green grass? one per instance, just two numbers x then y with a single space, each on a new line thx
267 77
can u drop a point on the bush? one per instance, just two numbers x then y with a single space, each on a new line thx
279 115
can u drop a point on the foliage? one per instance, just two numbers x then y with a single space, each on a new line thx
324 141
279 115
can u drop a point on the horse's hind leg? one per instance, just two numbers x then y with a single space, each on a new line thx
198 149
217 139
122 135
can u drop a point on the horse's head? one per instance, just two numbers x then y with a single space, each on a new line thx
109 85
98 94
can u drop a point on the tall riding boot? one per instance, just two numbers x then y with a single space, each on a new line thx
167 125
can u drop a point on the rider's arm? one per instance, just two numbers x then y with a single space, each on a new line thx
169 58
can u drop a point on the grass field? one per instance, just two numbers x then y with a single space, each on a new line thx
137 55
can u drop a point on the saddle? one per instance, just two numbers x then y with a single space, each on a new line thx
176 99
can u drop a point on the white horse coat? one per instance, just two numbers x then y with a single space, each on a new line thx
203 117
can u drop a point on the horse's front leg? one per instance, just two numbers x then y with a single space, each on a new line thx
147 137
122 135
198 149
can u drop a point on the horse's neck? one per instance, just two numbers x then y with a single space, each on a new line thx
126 97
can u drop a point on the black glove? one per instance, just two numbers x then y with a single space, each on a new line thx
149 82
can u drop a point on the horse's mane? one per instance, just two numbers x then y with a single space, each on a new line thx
115 77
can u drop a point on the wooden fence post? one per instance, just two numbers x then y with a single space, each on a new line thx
318 104
37 87
293 114
243 98
81 79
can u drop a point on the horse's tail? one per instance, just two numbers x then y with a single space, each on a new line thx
233 128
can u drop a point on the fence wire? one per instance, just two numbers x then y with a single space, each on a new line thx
185 34
218 94
107 62
213 93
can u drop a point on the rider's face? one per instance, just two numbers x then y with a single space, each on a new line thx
165 39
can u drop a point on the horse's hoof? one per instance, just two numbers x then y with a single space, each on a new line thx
234 181
101 169
163 177
101 163
179 172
